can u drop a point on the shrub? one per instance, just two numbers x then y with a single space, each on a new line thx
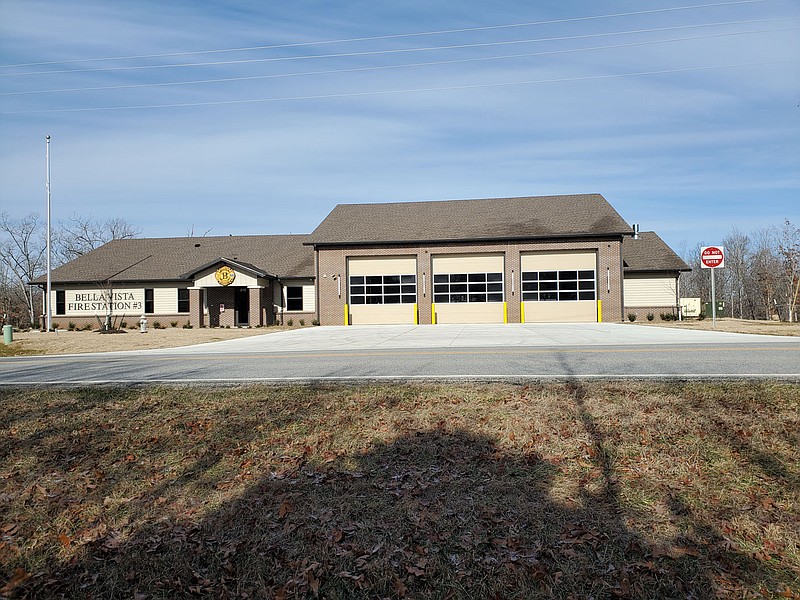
302 322
701 316
187 325
71 326
87 327
123 325
132 326
290 322
173 323
157 325
631 317
54 325
315 322
650 316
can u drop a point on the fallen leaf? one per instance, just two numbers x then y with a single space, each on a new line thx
19 577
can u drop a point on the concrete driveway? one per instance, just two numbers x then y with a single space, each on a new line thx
537 335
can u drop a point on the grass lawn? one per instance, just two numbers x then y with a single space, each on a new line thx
416 491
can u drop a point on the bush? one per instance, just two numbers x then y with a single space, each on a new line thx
71 326
54 325
315 323
701 316
302 322
173 323
290 322
187 325
123 325
631 317
666 316
157 325
132 326
650 316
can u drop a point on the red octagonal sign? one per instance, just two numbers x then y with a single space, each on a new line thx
712 257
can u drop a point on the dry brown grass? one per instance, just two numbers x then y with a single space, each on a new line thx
79 342
729 325
418 491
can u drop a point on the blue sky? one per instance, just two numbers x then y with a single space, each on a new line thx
683 114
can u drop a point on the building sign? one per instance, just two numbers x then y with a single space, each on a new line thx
225 275
102 301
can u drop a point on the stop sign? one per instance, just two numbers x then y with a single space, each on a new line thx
712 257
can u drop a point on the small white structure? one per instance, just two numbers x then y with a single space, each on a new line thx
690 307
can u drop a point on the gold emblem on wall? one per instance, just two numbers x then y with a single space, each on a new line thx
225 275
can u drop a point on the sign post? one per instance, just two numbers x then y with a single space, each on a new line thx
712 257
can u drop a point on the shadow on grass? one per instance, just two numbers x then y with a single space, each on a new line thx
434 514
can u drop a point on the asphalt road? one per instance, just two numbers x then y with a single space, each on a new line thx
460 353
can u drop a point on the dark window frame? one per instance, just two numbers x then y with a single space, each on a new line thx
569 285
149 301
183 300
468 288
382 289
294 298
61 302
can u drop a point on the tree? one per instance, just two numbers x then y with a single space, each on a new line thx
789 249
78 235
737 252
23 255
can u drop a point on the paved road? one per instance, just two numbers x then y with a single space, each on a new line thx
453 352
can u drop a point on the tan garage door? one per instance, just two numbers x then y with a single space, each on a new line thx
468 288
559 287
382 290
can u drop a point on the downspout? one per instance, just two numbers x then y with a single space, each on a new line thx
316 285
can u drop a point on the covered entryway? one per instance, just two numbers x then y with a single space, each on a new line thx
382 290
559 287
241 307
468 288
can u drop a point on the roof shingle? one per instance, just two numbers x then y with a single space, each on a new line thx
169 259
456 220
650 253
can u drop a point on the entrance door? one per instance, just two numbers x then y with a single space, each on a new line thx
242 306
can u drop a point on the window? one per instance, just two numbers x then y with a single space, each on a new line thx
149 303
383 289
61 302
467 287
183 300
294 298
558 286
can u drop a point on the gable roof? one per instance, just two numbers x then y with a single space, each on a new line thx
457 220
650 253
174 259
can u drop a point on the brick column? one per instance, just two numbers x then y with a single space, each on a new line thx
255 306
196 317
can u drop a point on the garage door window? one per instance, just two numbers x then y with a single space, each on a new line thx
467 287
383 289
558 286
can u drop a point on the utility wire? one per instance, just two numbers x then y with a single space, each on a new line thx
393 36
389 67
400 91
397 51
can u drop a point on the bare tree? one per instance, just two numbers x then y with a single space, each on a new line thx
78 235
23 254
737 252
789 249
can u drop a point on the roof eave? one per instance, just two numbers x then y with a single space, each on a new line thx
571 236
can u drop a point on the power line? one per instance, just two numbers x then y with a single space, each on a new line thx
398 50
400 91
390 67
392 36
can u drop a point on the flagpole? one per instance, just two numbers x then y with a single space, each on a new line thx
49 284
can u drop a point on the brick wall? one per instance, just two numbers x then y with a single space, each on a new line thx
333 264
